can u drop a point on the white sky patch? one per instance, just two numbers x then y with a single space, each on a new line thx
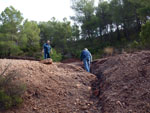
40 10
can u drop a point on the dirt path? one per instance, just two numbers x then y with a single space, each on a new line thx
56 88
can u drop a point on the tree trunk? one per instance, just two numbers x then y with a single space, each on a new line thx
118 33
100 31
125 31
137 22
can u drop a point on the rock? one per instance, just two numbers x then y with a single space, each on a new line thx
34 108
119 103
84 107
47 61
78 85
89 88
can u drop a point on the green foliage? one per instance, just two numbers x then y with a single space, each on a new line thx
17 39
58 32
10 90
85 16
103 15
9 35
11 20
75 33
145 35
5 100
9 48
98 54
115 23
56 56
29 40
135 44
17 100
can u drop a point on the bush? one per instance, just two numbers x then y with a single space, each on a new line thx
5 100
132 47
98 54
10 90
56 56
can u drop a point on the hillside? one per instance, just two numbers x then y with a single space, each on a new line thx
124 83
56 88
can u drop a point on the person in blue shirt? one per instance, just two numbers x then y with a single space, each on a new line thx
86 57
47 49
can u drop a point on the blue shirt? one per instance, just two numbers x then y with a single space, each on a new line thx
47 48
86 55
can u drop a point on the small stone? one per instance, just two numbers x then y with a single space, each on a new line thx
78 85
47 61
89 88
84 107
34 108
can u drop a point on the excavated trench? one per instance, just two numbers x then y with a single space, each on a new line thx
96 86
123 83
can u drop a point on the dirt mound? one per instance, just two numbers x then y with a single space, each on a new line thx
124 83
55 88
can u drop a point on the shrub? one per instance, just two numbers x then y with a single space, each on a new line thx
5 100
56 56
10 91
98 54
132 47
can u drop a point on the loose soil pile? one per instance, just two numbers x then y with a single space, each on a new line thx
55 88
124 83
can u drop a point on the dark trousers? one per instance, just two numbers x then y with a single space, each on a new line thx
46 55
86 62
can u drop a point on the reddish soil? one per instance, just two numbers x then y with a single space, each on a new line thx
55 88
124 83
71 60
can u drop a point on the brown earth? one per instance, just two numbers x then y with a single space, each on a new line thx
124 83
55 88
